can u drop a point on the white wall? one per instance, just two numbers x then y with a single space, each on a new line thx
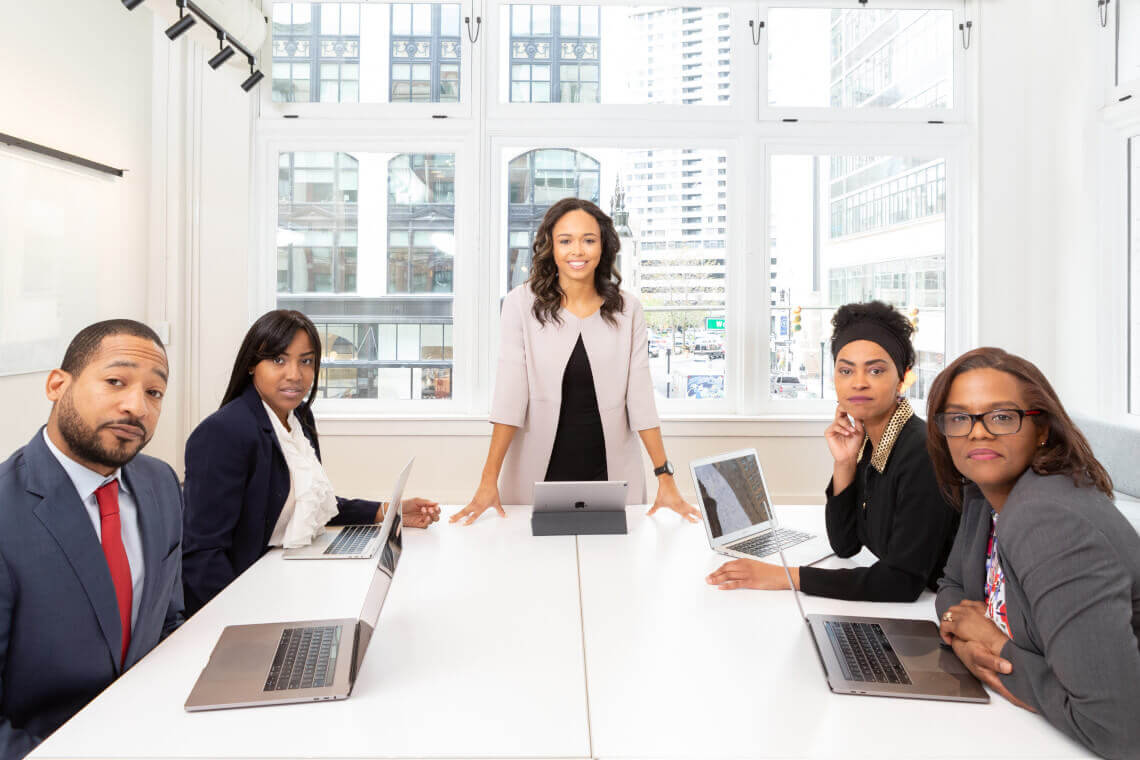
1052 267
110 86
84 88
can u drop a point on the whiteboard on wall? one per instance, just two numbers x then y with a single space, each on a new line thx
48 257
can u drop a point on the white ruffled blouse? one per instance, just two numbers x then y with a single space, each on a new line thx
311 502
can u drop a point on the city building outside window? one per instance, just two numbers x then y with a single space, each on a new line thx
372 269
878 58
886 241
366 52
617 54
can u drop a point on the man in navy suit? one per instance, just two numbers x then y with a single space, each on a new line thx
90 536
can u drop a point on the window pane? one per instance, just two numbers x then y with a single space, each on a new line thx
865 58
392 36
385 275
673 247
1127 41
627 54
847 229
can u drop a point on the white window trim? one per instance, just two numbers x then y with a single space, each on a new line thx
961 266
963 64
466 388
1119 394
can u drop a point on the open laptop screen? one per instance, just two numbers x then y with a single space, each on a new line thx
732 492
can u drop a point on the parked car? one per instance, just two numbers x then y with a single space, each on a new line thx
709 348
786 386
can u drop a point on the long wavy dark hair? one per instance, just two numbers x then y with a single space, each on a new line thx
544 271
1066 450
268 338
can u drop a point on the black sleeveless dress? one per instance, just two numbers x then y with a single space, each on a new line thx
579 451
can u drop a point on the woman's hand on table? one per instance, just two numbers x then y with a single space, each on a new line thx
669 497
486 496
978 642
750 573
967 620
420 513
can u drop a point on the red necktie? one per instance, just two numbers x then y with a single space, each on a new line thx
111 531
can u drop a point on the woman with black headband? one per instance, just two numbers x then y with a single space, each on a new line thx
883 493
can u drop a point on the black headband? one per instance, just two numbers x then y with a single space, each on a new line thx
876 333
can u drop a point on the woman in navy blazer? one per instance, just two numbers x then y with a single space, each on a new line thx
237 479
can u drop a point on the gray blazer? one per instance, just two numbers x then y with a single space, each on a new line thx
1072 572
528 390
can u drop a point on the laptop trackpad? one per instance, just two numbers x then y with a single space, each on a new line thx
236 660
926 653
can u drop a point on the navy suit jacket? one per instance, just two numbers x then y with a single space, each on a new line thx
236 485
60 632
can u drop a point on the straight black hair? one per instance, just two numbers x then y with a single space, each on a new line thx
268 338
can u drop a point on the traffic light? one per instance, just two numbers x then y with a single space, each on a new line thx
797 320
913 317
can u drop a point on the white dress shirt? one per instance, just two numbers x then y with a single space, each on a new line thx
86 482
311 502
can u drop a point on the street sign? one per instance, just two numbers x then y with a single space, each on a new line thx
714 323
783 325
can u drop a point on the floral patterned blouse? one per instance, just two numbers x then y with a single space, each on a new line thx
995 581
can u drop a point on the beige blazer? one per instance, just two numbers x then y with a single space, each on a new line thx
528 390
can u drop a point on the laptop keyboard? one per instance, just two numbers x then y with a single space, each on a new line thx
353 539
771 542
305 659
864 653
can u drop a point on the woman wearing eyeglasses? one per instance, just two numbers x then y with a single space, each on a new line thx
883 494
1041 593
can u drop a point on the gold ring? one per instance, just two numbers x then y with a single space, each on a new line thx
948 616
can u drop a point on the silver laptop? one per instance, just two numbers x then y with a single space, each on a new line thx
580 495
887 657
350 541
305 661
738 514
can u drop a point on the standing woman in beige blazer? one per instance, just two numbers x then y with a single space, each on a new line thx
573 383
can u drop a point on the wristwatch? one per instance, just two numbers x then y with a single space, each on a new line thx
665 469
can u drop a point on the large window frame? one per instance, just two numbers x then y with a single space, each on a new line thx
485 133
270 109
466 387
960 112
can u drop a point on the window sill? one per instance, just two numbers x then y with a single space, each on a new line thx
696 426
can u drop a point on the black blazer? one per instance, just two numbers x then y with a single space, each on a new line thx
900 515
60 632
236 485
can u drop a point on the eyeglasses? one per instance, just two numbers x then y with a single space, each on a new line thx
996 422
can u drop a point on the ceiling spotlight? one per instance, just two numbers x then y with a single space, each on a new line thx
130 5
224 52
184 22
254 78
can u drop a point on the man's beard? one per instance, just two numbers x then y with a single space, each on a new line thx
84 441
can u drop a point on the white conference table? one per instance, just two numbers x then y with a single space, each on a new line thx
495 644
